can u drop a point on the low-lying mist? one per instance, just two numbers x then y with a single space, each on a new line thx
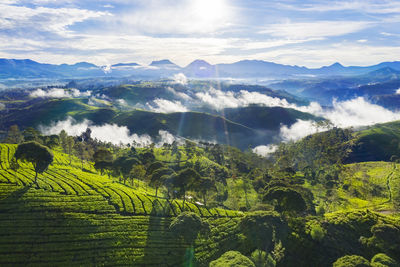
108 133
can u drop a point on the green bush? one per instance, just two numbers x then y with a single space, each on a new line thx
351 261
232 259
317 232
383 260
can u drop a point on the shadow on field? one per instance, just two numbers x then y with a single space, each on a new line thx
162 247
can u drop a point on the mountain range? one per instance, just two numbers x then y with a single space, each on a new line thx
26 68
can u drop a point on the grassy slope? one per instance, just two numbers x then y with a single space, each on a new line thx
266 118
378 142
81 218
361 185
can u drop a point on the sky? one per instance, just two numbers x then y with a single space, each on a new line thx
304 33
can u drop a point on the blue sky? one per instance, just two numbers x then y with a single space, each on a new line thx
306 33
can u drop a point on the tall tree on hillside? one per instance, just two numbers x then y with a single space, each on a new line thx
159 176
52 141
31 134
80 151
70 147
103 160
188 226
184 180
137 172
264 229
14 135
123 165
204 186
63 140
40 156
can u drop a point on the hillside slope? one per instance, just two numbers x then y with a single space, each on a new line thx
81 218
240 127
378 142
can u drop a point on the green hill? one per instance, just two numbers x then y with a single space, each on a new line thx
378 142
266 118
238 127
81 218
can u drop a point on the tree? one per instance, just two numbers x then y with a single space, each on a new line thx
14 165
383 260
184 180
63 140
80 151
351 261
52 141
40 156
159 176
231 259
31 134
123 166
103 160
264 229
188 225
147 158
154 166
70 147
286 199
204 186
138 172
14 136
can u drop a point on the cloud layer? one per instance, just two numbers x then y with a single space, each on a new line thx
59 93
107 133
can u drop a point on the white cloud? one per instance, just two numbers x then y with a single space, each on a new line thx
265 151
219 100
55 20
178 17
351 113
59 93
315 29
300 129
358 112
180 78
179 94
398 91
166 137
106 133
348 53
122 102
166 106
368 6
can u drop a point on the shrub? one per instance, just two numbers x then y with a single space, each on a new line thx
231 259
383 260
351 261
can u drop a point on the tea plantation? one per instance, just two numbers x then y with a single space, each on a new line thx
80 218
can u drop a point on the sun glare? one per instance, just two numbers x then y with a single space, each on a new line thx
210 12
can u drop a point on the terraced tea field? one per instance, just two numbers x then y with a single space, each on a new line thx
81 218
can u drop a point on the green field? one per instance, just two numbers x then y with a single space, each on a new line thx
360 185
81 218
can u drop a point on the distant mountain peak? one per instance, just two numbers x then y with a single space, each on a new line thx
384 71
162 62
199 63
125 64
336 65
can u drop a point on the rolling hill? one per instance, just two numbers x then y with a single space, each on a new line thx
81 218
378 142
240 127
